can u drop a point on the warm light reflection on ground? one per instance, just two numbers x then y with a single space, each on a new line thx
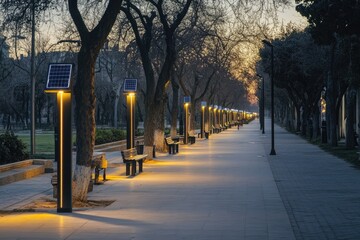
213 189
190 178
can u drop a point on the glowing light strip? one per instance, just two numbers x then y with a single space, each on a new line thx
131 120
61 115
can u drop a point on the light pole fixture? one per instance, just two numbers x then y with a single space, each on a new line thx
59 82
187 101
203 106
130 87
210 129
226 113
215 118
262 109
32 79
220 116
266 42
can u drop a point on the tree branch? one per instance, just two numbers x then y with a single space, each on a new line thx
207 85
102 30
77 18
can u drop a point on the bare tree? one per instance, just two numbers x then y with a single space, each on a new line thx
142 23
92 41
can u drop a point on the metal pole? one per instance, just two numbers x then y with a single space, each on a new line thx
32 79
263 106
210 121
272 152
202 121
130 121
64 149
186 134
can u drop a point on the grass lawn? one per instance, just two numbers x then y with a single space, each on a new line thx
349 155
340 151
44 143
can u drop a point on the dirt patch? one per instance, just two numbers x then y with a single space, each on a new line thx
50 203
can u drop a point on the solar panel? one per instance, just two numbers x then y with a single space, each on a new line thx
59 76
130 85
187 99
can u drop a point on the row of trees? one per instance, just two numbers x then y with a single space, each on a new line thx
320 61
186 45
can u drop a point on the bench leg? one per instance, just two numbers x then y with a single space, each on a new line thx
97 172
140 166
133 168
127 164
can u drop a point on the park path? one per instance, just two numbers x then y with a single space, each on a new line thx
227 187
221 188
321 192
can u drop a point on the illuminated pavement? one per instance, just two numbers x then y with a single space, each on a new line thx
221 188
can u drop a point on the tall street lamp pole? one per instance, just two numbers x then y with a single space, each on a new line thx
266 42
32 78
262 113
263 105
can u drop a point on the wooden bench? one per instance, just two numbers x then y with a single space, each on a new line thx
130 157
206 134
99 163
215 129
191 138
172 145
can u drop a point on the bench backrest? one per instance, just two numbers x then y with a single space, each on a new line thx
128 153
99 161
169 140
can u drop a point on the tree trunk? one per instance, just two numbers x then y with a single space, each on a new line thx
316 123
116 105
298 119
159 132
85 102
192 122
174 110
155 122
85 122
304 121
331 119
350 116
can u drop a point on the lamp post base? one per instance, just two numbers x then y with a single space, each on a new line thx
272 152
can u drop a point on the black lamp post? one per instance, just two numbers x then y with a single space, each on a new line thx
262 109
266 42
32 80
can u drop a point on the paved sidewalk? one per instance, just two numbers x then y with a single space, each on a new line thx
321 192
221 188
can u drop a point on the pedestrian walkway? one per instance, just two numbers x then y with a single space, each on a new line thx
221 188
321 192
227 187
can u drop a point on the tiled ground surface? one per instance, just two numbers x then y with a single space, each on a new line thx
221 188
321 192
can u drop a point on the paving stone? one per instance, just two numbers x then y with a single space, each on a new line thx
221 188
